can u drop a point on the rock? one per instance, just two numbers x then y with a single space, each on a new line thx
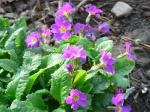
10 15
143 61
121 9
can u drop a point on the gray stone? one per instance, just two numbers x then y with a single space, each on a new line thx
121 9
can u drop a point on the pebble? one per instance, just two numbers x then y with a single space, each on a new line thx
121 9
10 15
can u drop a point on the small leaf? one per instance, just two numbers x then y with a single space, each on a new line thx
59 110
74 39
79 78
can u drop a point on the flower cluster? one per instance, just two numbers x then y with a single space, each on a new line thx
118 100
76 99
35 38
62 31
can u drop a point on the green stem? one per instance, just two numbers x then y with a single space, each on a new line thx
88 18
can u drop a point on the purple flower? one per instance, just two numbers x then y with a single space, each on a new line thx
33 40
45 32
61 29
93 10
79 28
107 61
129 51
66 10
69 67
104 27
76 99
123 109
89 31
75 52
118 99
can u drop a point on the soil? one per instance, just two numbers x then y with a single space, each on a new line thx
135 27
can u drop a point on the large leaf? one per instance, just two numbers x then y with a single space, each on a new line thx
3 108
51 60
105 44
60 84
100 84
8 65
123 67
10 43
34 103
31 60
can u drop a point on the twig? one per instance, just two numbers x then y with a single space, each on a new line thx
80 4
142 44
60 3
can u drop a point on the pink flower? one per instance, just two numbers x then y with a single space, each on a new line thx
129 51
93 10
76 99
66 10
107 60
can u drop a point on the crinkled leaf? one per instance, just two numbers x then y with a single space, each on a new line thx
107 45
8 65
100 84
60 84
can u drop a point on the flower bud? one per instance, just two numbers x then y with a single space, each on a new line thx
69 67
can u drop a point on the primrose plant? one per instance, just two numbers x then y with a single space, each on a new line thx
68 66
89 74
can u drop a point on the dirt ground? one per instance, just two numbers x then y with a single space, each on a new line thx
135 27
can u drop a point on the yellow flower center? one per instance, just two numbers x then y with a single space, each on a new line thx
76 97
63 29
102 64
66 14
34 40
119 109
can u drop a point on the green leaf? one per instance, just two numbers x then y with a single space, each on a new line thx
3 108
100 84
31 61
107 45
8 65
100 40
34 103
123 67
86 43
74 39
51 60
4 23
79 78
60 84
10 43
32 79
59 110
23 78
